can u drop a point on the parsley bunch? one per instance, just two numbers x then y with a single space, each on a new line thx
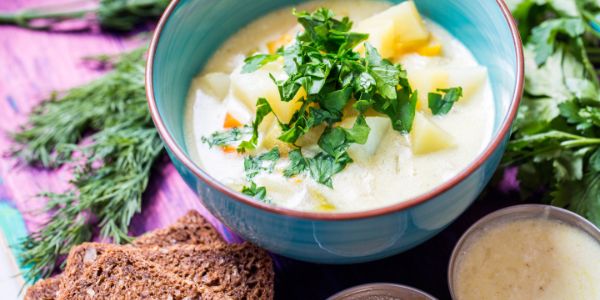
324 63
556 137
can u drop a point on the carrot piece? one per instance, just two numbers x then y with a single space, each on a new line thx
229 149
231 122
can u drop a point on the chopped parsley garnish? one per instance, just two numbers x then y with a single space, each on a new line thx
263 162
442 104
321 167
226 137
323 65
259 192
262 110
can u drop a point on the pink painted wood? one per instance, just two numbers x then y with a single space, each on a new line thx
32 65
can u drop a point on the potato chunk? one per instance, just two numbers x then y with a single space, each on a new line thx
410 28
381 35
271 139
471 79
396 29
251 86
425 81
426 137
215 84
379 127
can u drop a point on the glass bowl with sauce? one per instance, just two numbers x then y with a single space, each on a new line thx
527 252
381 291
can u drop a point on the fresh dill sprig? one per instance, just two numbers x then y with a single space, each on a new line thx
117 15
111 169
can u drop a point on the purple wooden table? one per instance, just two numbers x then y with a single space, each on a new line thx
33 64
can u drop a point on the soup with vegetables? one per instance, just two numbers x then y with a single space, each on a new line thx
339 106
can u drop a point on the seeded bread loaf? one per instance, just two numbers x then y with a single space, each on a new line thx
192 228
46 289
121 274
241 271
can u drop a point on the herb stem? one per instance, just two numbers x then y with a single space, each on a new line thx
52 14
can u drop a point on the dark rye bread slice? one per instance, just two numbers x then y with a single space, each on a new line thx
80 258
46 289
122 274
192 228
238 271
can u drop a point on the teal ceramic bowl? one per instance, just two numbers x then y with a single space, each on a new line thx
191 30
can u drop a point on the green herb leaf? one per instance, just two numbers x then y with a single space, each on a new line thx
263 162
401 114
334 141
323 166
226 137
386 75
258 61
543 37
262 110
297 163
359 133
442 104
259 192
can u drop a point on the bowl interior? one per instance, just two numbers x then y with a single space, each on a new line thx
196 28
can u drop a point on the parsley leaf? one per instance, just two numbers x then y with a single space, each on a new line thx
297 163
442 104
257 61
323 166
334 141
259 192
386 75
543 37
263 162
402 113
226 137
359 133
262 110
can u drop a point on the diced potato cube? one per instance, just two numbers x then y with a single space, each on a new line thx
426 81
379 127
215 84
251 86
433 48
381 35
271 139
279 42
471 79
311 137
410 27
238 111
322 204
426 137
285 110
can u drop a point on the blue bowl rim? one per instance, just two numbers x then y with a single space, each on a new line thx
176 150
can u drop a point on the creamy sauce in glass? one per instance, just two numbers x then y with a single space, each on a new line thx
393 175
529 259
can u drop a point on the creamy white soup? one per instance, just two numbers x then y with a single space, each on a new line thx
401 144
529 259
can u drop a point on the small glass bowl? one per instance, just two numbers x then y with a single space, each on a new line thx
518 212
381 291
